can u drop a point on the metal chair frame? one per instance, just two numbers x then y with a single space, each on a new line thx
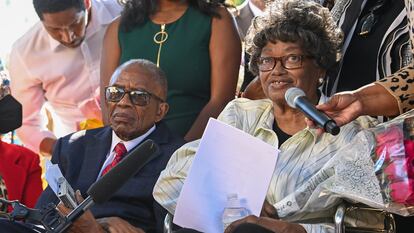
343 209
338 219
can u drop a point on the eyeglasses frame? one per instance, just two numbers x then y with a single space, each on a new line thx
276 59
151 95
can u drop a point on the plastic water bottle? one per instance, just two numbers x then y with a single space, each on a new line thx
233 210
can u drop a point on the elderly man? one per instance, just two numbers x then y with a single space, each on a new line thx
57 61
136 103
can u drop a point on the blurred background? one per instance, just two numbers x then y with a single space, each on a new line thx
17 16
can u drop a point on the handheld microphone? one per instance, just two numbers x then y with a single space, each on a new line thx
103 189
296 98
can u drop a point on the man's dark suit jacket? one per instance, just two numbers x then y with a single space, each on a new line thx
80 157
244 20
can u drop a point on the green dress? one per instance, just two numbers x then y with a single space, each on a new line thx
185 59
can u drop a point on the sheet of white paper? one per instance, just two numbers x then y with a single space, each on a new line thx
52 175
228 161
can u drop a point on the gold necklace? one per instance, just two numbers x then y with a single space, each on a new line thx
159 38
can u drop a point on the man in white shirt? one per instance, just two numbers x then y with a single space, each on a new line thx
57 61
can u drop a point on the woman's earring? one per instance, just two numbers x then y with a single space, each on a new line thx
320 81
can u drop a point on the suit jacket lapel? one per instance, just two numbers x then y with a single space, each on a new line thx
159 136
97 148
244 20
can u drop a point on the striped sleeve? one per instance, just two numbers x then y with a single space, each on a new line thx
171 180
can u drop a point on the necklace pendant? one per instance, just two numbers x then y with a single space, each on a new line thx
161 36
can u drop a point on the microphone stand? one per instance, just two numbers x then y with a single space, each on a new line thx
22 212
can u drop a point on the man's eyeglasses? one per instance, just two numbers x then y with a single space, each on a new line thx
137 97
289 62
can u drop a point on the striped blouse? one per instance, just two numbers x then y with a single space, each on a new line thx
300 157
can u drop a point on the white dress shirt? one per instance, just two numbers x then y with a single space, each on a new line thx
43 70
256 10
129 145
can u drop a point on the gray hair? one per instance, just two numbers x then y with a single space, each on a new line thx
156 72
297 21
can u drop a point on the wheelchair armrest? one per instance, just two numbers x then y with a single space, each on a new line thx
357 218
339 218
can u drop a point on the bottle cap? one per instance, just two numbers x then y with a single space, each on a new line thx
233 200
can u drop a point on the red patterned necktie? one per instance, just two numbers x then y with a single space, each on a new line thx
120 151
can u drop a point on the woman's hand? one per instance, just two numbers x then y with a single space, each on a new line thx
343 107
268 211
271 224
372 99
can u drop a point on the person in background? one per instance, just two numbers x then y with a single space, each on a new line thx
136 103
57 62
244 15
292 45
194 41
20 172
376 45
390 96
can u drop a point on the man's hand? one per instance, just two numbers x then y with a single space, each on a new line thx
86 223
271 224
118 225
268 211
46 146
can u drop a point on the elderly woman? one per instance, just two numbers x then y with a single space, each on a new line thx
292 45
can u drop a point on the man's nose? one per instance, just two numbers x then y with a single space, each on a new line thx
126 100
68 36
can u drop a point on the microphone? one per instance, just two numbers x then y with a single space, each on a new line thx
296 98
104 188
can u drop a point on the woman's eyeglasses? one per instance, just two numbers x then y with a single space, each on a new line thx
137 97
289 62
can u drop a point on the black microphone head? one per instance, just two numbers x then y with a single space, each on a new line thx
332 128
291 94
111 182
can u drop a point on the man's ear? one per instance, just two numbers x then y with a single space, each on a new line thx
162 111
88 4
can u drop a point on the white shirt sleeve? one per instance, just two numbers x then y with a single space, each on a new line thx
29 92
